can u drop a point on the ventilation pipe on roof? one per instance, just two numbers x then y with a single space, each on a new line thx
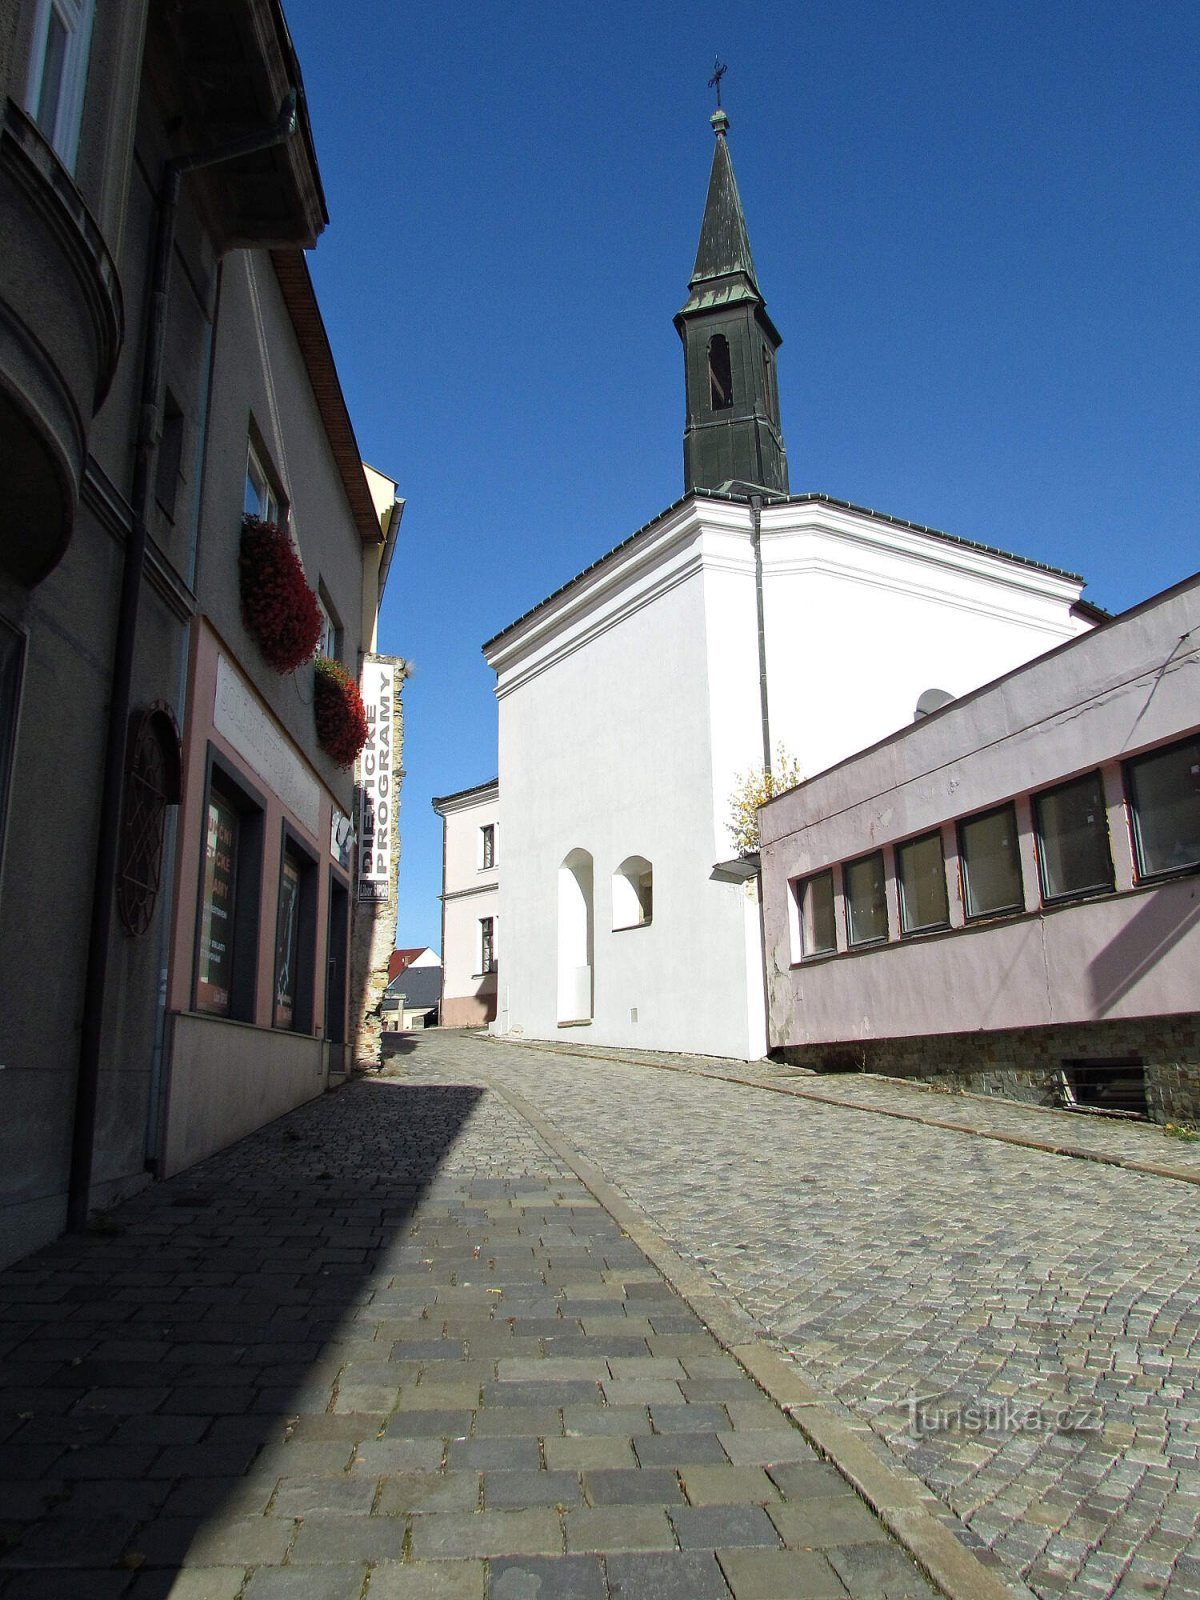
149 425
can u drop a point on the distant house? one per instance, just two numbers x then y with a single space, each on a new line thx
1007 892
470 904
414 992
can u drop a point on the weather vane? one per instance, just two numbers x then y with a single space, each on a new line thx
719 71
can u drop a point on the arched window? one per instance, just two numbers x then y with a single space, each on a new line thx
633 893
575 938
720 374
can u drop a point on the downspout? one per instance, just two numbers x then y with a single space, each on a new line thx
764 712
149 424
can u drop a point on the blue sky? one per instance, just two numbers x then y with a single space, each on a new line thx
975 225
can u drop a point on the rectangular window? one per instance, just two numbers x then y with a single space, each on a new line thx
814 903
1164 795
287 939
230 874
259 499
487 846
58 66
1072 837
218 902
866 900
487 944
991 863
921 870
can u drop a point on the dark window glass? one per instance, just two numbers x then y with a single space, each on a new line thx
921 870
720 375
287 940
486 944
1164 791
1072 835
866 900
489 846
814 897
214 983
991 863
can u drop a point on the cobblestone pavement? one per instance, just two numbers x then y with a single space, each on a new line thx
1042 1311
391 1345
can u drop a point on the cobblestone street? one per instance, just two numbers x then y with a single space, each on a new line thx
391 1346
1040 1313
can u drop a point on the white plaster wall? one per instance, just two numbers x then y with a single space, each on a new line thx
1127 687
862 617
610 751
470 892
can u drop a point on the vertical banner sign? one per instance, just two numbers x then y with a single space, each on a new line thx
375 784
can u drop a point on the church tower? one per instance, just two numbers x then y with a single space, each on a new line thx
729 344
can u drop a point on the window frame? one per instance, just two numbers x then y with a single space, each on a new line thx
270 505
800 892
250 806
847 871
1088 891
488 960
487 847
1129 771
919 929
295 850
76 18
1010 910
633 886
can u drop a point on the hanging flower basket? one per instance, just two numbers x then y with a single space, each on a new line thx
278 606
338 708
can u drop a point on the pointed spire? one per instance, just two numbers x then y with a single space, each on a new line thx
724 243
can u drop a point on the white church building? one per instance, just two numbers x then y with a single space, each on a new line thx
740 618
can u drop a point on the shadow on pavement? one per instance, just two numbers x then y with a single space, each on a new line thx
151 1379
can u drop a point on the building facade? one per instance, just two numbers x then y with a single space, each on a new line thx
741 618
470 905
1007 893
163 372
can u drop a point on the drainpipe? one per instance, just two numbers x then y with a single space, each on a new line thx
149 423
756 505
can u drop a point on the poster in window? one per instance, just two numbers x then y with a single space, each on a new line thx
215 976
285 943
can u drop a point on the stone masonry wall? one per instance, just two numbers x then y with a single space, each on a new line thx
1025 1063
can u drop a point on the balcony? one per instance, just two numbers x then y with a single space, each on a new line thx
61 325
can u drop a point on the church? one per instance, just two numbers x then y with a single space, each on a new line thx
741 619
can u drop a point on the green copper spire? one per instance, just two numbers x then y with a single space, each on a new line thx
732 431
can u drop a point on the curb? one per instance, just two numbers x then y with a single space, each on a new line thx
910 1512
1048 1147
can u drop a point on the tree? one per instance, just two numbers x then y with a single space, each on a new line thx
754 789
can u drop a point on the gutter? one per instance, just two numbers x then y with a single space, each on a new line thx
112 772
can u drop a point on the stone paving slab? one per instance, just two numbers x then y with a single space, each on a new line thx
1019 1330
390 1346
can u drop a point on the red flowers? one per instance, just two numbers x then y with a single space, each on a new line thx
278 606
339 712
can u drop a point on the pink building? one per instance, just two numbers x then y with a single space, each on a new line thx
1008 891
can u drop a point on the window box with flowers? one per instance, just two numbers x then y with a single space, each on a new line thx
338 709
278 606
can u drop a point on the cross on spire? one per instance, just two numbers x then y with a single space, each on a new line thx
719 71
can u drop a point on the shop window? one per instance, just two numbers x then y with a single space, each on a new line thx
921 874
487 847
633 893
1074 856
487 944
230 885
1164 798
58 67
866 900
991 863
295 917
814 907
336 960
